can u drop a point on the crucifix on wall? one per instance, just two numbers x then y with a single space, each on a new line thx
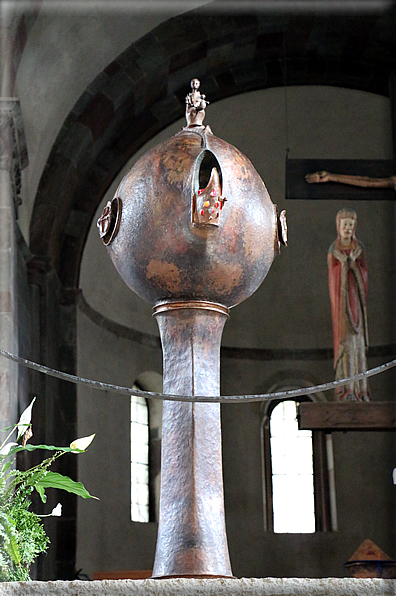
353 179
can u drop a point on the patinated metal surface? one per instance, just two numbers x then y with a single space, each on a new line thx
191 535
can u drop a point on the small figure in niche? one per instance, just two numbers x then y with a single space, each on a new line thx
348 282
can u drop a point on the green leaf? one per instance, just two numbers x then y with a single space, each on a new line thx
41 492
55 480
6 467
11 547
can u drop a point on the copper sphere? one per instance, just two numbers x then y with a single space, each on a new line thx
161 249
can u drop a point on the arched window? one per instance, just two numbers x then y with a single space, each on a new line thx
139 459
292 471
299 495
146 425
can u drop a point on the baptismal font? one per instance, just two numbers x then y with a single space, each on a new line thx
192 230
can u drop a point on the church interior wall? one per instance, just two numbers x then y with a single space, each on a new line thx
107 539
363 464
285 327
64 53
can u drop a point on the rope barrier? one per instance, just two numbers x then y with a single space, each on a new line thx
194 398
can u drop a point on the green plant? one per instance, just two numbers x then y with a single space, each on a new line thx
22 535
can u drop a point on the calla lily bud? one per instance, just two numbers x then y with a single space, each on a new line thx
25 419
82 444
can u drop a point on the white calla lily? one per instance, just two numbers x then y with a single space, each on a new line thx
7 448
25 419
57 511
83 443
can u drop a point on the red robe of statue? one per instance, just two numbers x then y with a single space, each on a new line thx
348 283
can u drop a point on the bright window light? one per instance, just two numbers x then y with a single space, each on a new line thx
139 460
292 472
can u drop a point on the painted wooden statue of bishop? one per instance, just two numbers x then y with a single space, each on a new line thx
348 280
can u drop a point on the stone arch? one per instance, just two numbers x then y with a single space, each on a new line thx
290 379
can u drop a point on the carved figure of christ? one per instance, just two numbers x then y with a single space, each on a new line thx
353 180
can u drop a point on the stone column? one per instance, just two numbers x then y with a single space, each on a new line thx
13 158
192 538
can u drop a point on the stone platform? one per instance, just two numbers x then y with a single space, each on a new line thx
208 587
